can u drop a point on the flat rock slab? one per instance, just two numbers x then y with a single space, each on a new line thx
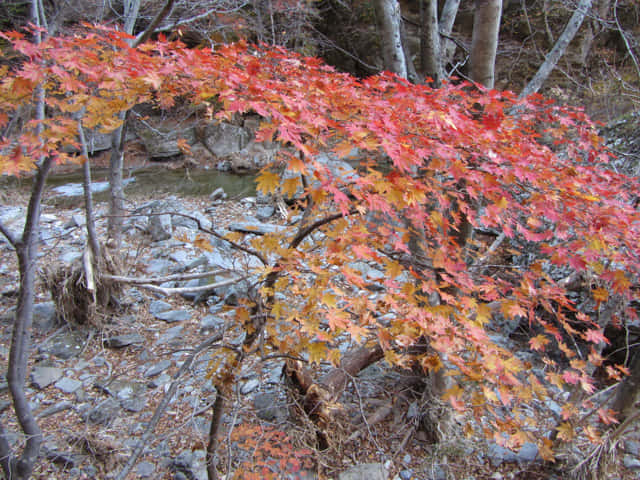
68 385
120 341
365 471
64 345
157 369
173 316
43 376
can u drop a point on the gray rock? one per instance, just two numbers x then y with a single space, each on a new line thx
181 221
265 212
528 452
159 381
42 376
256 227
57 408
158 368
161 141
223 139
65 345
120 341
211 322
269 407
218 194
70 256
157 306
103 413
632 447
249 386
160 227
173 316
170 334
631 462
159 266
134 404
68 385
365 471
145 469
44 315
498 455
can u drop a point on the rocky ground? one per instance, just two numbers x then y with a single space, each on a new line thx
94 388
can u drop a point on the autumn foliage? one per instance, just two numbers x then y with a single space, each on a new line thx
432 166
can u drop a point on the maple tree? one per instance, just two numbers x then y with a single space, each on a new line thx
432 167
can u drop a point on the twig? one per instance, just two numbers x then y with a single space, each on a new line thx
164 403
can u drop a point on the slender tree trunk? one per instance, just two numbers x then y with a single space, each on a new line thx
558 49
484 41
447 19
431 53
116 162
14 466
389 20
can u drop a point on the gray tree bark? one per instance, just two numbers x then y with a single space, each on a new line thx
430 46
20 466
389 21
484 41
116 161
558 49
447 19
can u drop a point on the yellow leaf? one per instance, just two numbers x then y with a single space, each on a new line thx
317 352
329 300
267 182
290 187
600 295
203 244
565 431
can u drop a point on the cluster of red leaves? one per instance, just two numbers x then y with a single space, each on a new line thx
430 161
271 452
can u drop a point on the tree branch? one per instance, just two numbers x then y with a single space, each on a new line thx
9 235
162 14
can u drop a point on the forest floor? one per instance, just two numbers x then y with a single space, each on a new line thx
282 445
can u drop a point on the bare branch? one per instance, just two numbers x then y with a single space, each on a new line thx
162 14
168 278
201 288
9 235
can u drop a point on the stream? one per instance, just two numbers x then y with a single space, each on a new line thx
155 181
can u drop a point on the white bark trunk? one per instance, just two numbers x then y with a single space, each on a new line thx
389 20
484 41
558 49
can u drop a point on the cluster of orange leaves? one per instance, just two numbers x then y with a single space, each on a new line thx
269 452
429 160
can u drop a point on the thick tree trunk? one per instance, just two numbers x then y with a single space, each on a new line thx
389 21
431 53
558 49
484 41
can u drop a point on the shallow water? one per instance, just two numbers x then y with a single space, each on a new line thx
155 181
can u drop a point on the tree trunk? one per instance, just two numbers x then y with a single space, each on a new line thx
389 20
484 41
558 49
447 19
628 391
431 53
116 162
